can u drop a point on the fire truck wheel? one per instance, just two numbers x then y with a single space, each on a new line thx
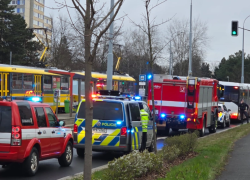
213 128
31 163
175 130
67 157
80 152
167 131
202 131
223 125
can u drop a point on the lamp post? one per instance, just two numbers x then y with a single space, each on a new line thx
190 44
242 68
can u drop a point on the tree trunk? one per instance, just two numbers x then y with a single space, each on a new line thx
151 68
88 99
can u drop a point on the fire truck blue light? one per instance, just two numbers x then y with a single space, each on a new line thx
163 115
182 116
149 76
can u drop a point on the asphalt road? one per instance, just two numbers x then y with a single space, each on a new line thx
50 169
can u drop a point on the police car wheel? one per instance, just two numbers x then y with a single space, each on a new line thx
31 163
66 158
80 152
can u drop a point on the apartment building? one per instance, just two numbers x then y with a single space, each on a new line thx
33 13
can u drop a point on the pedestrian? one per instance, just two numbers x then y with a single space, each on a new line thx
144 119
243 110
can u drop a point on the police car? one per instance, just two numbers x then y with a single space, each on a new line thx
116 126
30 132
223 116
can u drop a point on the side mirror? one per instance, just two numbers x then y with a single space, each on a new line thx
229 110
61 123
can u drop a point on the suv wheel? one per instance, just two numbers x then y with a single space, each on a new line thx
31 163
228 123
224 123
80 152
66 158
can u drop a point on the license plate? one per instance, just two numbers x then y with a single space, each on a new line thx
97 130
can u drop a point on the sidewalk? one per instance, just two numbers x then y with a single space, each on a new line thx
69 121
238 167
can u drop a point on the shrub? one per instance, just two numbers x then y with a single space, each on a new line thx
170 153
186 143
133 165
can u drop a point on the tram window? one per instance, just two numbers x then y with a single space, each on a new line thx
64 83
47 85
27 81
17 81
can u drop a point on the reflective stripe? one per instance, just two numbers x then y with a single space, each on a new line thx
110 137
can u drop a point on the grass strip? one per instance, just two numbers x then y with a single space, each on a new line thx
213 152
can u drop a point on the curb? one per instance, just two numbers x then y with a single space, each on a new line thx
106 166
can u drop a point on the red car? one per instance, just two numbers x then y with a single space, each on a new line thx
30 132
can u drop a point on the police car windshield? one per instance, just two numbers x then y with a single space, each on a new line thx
219 108
103 111
5 119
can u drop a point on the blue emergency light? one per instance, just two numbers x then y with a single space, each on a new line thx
118 122
182 116
163 115
149 76
137 98
36 99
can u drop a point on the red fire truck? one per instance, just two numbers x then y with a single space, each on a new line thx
184 103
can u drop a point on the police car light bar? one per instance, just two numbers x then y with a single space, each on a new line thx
137 98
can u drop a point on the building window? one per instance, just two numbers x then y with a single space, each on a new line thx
64 83
17 81
27 81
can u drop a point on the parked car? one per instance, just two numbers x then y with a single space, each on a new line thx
223 116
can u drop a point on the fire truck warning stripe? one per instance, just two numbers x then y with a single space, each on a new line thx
180 104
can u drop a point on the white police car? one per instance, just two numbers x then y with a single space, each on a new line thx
223 116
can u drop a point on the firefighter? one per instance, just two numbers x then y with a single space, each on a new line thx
144 119
243 110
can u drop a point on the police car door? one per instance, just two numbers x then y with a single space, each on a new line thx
136 130
150 125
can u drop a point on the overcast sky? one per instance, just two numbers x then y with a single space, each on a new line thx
218 15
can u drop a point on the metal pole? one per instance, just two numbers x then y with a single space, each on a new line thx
57 105
190 44
243 54
170 64
110 55
10 57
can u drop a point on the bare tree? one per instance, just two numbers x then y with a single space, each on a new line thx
178 32
94 29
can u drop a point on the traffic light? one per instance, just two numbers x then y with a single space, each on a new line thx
234 28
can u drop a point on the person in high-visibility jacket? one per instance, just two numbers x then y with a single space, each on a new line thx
145 120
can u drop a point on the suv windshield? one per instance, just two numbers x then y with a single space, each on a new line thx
219 108
103 111
5 119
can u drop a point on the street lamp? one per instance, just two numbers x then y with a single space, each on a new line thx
242 70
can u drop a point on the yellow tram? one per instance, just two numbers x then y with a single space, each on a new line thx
21 82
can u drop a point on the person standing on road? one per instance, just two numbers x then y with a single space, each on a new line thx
144 119
243 110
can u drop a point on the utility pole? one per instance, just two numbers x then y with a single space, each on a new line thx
10 57
190 44
243 54
170 64
110 54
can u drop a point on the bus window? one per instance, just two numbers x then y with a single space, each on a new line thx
27 81
230 94
47 85
64 83
17 81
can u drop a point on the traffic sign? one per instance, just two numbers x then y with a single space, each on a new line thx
141 92
142 83
142 77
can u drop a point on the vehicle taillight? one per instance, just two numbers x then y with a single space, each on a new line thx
75 128
124 131
16 136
